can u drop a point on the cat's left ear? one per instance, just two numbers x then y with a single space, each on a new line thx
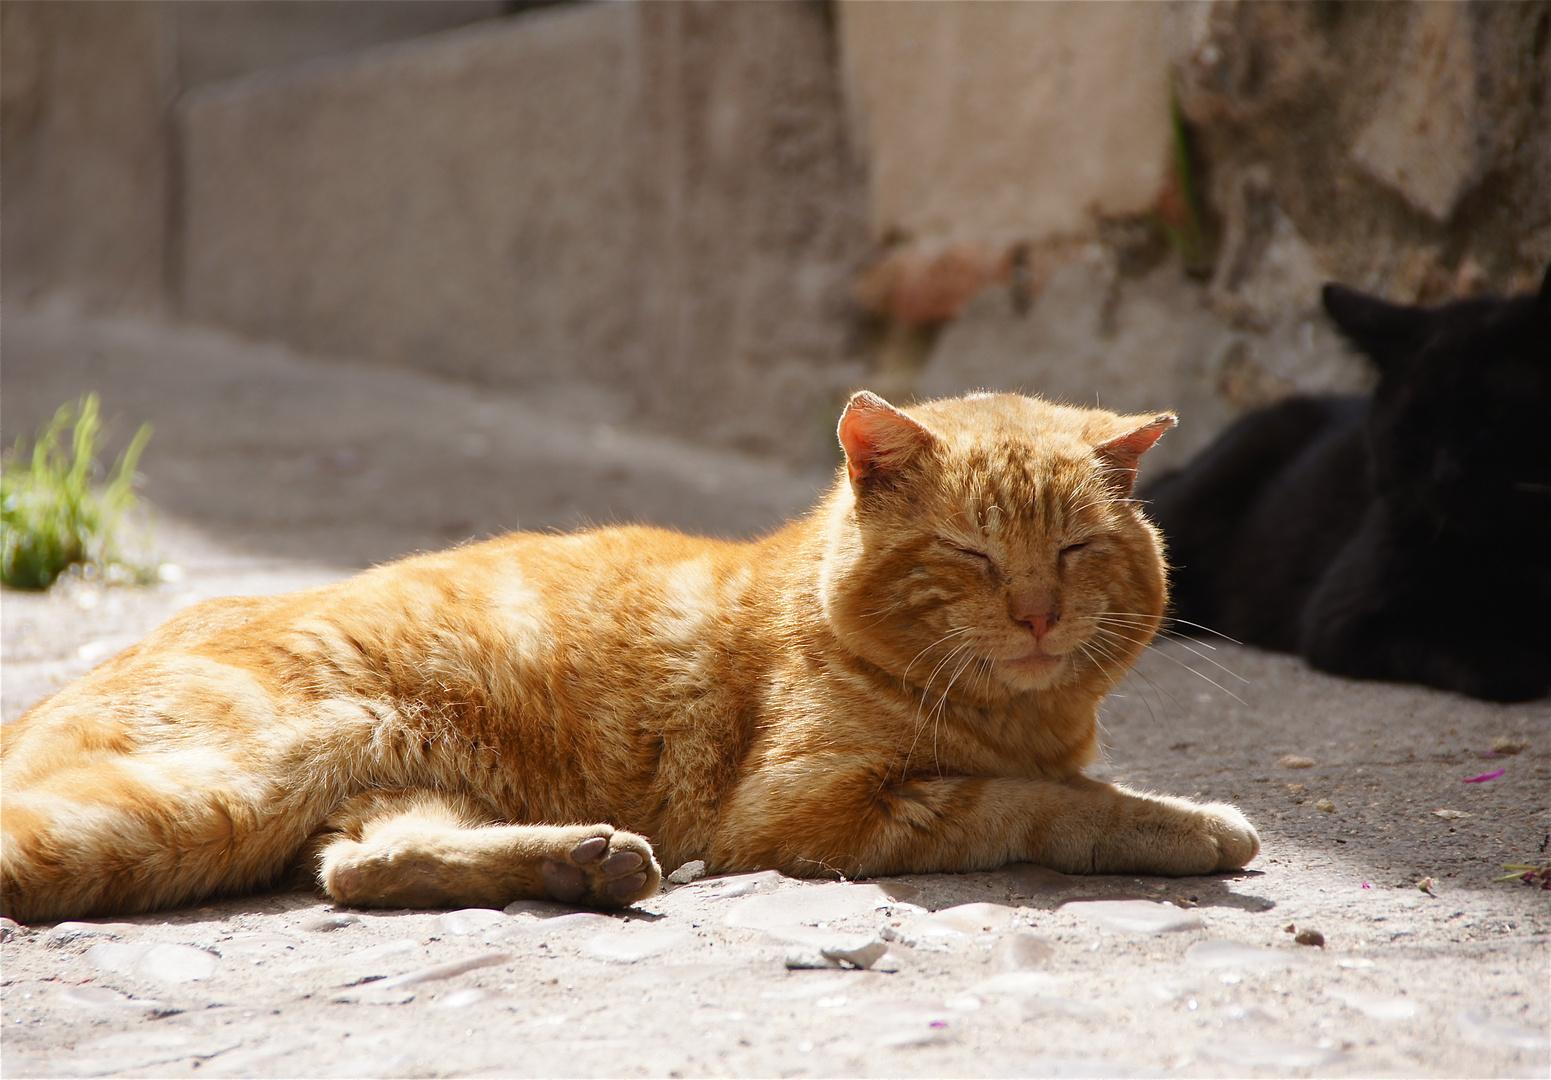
877 437
1121 454
1388 332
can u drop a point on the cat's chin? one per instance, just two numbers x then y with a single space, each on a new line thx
1035 670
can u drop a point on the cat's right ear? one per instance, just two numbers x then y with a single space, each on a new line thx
1387 332
877 437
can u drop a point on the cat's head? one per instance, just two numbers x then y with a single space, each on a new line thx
988 546
1457 428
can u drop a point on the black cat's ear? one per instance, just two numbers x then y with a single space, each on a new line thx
877 437
1387 332
1120 455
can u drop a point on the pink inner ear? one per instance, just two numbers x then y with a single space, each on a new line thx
1121 453
876 435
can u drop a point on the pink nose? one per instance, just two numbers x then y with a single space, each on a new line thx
1040 622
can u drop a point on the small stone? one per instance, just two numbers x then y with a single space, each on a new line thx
164 962
636 943
256 945
807 904
859 952
142 1047
1509 744
1296 789
1310 937
1021 952
9 928
1236 954
395 947
67 933
334 920
1296 761
693 870
726 888
1255 1054
1240 1014
1135 916
470 921
574 922
1487 1030
833 981
1379 1007
101 999
1326 806
1089 1068
1452 815
1049 1005
441 971
1016 983
970 918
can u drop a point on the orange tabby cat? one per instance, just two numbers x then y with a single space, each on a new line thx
905 680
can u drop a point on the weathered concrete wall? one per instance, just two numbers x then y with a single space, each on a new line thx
658 197
1422 177
84 160
1403 148
677 202
1006 120
233 38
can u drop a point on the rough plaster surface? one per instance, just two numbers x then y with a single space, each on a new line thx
1094 336
1007 121
83 164
656 196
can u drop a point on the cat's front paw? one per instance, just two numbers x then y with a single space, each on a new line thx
1179 838
602 867
1235 839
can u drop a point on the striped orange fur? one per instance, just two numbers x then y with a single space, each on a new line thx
904 680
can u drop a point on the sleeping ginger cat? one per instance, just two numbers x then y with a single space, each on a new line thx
906 680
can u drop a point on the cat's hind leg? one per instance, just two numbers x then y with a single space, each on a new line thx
429 849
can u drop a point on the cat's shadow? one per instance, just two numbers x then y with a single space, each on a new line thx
1032 886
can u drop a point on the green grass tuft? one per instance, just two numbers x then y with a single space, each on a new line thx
52 517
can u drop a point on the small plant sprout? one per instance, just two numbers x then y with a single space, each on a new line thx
53 517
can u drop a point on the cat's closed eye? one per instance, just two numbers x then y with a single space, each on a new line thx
1072 549
973 553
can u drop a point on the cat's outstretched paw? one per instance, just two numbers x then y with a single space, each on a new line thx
603 867
1235 838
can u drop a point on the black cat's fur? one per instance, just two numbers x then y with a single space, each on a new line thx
1403 536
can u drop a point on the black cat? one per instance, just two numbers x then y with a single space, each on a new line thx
1403 536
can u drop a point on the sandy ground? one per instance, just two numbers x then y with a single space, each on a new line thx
270 472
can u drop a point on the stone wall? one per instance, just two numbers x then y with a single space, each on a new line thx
658 198
722 216
84 165
1004 120
1297 158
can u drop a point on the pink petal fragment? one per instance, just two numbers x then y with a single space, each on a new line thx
1484 777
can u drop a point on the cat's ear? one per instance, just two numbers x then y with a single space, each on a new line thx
877 437
1120 455
1387 332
